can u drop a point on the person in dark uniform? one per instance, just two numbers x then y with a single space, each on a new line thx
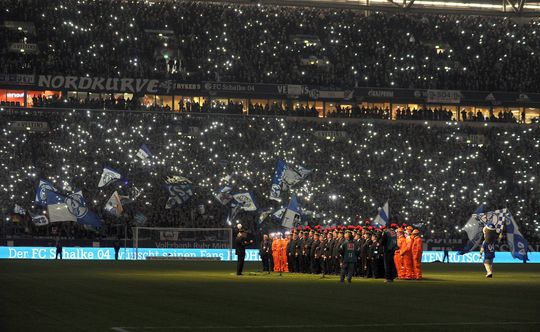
58 249
327 254
290 252
116 246
297 253
374 256
358 241
335 252
315 254
306 252
241 243
265 251
364 254
389 244
348 257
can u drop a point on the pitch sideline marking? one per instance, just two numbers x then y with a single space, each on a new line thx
128 328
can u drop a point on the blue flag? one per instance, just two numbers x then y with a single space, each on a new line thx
41 194
473 228
277 180
382 216
178 194
293 214
70 207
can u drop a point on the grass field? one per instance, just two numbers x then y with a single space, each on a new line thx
196 296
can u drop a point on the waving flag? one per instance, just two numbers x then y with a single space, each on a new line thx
19 210
144 153
277 180
178 194
114 205
58 208
224 195
292 176
502 220
382 216
108 176
70 207
473 228
41 195
293 215
286 177
263 214
278 214
518 245
246 201
39 220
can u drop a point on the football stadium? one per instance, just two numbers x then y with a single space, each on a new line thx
269 165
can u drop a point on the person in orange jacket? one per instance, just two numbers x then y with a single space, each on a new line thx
283 256
416 249
397 254
406 255
276 252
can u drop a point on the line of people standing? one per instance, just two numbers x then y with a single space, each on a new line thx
368 252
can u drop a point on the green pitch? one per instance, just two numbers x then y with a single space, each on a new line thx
199 296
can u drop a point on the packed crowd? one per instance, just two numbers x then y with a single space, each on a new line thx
433 176
361 251
198 41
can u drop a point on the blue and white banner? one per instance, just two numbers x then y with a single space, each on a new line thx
246 201
70 207
277 180
224 195
39 220
108 176
58 207
90 253
114 205
41 195
144 153
292 176
292 217
516 241
503 221
473 228
19 210
178 194
382 216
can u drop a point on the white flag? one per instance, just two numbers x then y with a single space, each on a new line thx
19 210
114 205
108 176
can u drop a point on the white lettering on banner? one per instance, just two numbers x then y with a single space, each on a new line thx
99 84
381 93
444 96
91 253
15 94
291 90
229 87
20 79
184 86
